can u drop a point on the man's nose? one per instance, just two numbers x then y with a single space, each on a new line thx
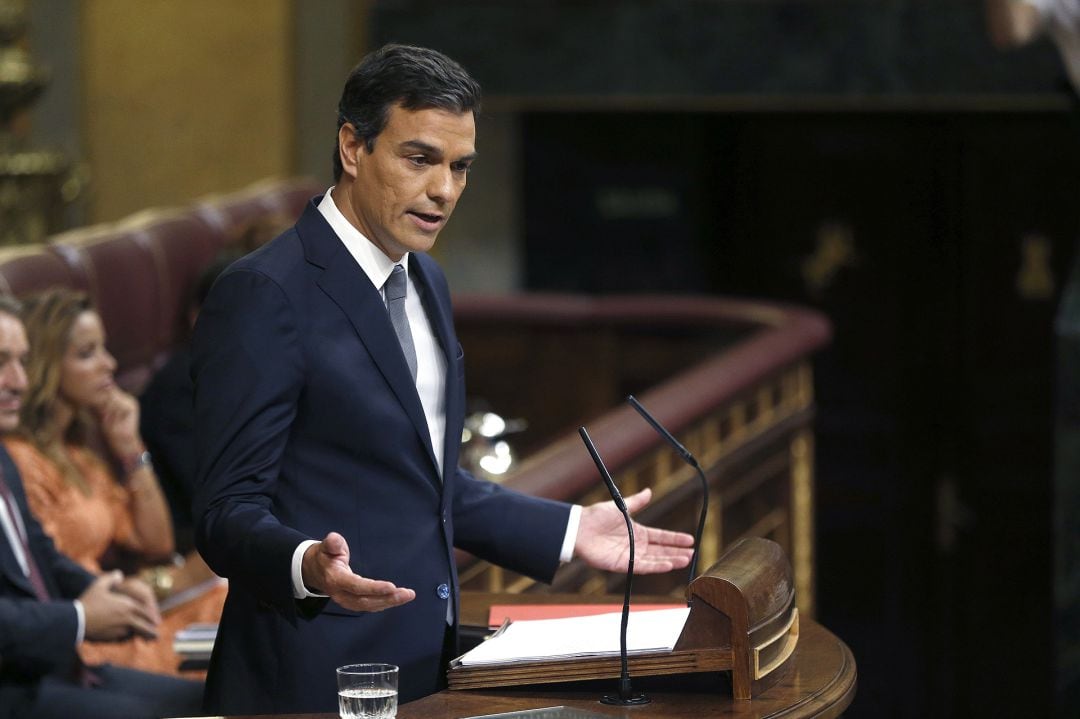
442 185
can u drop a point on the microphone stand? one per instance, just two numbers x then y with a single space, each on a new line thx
689 459
626 695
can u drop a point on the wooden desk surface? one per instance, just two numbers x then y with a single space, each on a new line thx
819 682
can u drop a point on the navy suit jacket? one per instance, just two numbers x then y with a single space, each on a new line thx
37 638
308 421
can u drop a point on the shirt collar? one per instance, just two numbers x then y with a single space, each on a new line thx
375 264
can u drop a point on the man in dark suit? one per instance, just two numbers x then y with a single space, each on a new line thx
329 406
48 603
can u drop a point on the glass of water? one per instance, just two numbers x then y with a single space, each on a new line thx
367 691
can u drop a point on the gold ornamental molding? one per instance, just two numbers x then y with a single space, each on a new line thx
35 183
751 449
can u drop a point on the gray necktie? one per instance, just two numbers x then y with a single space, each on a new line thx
396 288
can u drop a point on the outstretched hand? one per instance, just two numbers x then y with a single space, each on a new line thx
602 540
326 570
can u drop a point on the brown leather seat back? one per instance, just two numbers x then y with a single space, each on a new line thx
28 269
140 272
125 286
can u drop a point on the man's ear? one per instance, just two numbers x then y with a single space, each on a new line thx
350 147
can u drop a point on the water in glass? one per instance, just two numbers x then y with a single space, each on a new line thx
368 703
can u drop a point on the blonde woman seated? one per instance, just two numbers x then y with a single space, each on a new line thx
89 503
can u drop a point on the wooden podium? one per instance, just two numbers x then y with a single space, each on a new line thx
742 620
817 682
742 614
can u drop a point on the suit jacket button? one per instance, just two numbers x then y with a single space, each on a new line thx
443 591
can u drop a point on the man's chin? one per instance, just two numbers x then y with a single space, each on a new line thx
423 243
415 239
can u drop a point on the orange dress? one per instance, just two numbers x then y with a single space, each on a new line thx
84 526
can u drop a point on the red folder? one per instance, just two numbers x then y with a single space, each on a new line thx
499 613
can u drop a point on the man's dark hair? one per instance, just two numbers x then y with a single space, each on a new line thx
414 77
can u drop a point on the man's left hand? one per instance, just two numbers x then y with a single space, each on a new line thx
603 542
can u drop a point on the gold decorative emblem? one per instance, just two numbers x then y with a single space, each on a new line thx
35 183
835 250
1035 278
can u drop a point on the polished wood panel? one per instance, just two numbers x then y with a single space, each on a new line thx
155 76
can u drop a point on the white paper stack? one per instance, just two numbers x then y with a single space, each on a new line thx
597 635
195 641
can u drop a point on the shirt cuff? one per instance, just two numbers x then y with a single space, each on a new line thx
298 588
80 614
570 539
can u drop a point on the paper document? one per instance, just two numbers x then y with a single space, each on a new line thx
559 712
195 641
597 635
197 590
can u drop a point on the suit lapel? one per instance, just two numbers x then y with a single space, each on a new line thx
436 305
9 564
11 568
347 285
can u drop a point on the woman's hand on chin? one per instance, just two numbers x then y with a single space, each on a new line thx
118 414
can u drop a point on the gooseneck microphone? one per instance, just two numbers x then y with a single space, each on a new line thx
689 459
626 695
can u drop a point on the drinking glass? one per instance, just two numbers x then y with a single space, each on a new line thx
367 691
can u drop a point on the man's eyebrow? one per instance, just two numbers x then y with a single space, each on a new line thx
427 149
421 146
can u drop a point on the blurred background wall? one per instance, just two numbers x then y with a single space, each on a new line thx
167 101
875 159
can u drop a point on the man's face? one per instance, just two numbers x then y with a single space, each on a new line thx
13 351
405 189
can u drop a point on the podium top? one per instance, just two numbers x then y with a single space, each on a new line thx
750 587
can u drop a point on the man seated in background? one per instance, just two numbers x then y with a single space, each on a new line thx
49 604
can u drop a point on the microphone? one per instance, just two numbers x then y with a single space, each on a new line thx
689 459
626 695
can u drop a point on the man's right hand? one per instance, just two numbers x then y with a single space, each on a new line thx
326 570
112 615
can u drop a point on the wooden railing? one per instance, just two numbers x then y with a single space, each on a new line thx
732 379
